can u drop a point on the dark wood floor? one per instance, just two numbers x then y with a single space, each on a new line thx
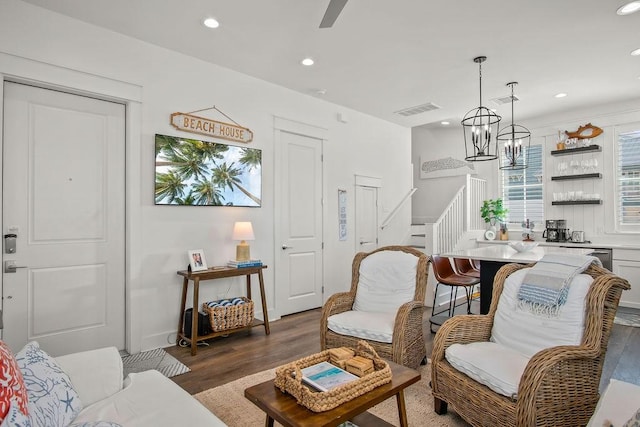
297 335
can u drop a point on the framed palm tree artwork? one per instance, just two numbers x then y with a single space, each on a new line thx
201 173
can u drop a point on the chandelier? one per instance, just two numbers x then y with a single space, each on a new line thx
479 143
516 140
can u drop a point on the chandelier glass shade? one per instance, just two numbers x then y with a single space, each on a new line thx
478 124
515 140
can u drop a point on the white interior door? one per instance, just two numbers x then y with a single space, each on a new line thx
366 218
299 229
63 197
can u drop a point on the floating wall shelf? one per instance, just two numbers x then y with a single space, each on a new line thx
578 202
581 176
579 150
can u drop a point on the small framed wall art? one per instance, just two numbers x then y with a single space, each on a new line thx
196 260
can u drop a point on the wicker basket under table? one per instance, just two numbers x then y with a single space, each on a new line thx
227 317
318 401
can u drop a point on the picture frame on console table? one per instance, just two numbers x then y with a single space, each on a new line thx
197 261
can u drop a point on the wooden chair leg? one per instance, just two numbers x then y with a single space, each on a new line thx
439 406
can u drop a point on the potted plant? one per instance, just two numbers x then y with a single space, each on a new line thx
492 211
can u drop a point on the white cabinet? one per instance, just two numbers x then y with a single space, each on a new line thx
626 264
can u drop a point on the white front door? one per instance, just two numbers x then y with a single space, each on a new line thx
63 198
299 222
366 218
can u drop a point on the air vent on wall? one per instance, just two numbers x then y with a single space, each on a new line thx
505 99
411 111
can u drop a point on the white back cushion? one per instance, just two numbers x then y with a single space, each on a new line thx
387 280
529 333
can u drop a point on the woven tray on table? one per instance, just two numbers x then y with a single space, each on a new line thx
289 380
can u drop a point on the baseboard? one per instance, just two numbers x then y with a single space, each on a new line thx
629 304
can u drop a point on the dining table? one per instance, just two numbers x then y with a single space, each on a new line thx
493 257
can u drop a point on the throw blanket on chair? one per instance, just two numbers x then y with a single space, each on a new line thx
545 287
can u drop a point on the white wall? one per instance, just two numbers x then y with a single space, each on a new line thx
596 220
170 82
434 194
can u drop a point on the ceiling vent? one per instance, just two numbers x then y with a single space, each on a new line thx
418 109
505 99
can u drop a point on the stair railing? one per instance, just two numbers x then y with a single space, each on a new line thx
461 214
397 208
476 193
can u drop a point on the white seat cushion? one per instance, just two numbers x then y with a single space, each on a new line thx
490 364
529 333
387 280
368 326
150 399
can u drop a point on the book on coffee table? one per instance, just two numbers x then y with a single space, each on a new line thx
324 376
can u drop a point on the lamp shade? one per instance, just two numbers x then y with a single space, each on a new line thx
243 231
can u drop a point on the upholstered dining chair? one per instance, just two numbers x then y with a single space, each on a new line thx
446 275
465 267
384 305
522 367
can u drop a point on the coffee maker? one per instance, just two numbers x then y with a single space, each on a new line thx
556 230
551 231
564 235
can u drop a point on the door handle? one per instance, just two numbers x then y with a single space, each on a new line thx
11 267
362 242
285 247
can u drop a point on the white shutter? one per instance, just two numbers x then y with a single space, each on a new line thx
522 190
628 172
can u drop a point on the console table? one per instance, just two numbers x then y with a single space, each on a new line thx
217 273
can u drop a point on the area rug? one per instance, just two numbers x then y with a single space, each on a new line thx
153 359
627 319
228 403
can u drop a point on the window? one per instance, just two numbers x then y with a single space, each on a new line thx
628 172
522 190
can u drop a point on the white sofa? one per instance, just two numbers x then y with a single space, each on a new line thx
143 399
617 405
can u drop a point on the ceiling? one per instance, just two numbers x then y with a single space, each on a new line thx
383 56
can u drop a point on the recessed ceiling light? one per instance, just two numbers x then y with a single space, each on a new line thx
445 123
629 8
560 95
307 61
635 52
211 23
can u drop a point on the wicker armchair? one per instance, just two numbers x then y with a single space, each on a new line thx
559 386
407 346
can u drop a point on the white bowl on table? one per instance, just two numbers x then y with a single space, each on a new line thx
523 246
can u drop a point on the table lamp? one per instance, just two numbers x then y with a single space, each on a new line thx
243 231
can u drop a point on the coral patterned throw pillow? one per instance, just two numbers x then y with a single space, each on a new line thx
11 383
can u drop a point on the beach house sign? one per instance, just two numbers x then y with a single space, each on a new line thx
203 126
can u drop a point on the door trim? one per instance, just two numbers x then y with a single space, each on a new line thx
27 71
281 124
368 181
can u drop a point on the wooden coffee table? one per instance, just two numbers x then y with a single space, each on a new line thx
283 407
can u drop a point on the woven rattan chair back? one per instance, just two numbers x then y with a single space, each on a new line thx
407 347
559 386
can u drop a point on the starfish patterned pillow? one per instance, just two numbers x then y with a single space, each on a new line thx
53 402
